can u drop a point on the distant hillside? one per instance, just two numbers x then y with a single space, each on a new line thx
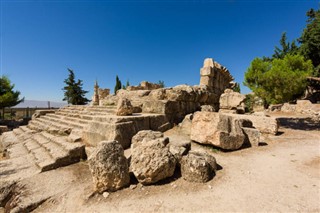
40 104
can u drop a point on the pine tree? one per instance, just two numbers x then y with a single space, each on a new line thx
73 92
310 40
286 48
118 85
8 97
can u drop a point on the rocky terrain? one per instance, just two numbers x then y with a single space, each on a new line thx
282 174
149 149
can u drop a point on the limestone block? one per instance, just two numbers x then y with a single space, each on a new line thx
218 129
206 81
208 62
109 167
185 125
144 136
152 161
207 71
98 131
207 108
288 107
264 124
198 167
124 107
303 106
231 100
252 136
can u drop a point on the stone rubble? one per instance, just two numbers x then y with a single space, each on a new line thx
136 118
151 160
109 167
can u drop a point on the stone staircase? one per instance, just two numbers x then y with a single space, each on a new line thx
58 139
46 150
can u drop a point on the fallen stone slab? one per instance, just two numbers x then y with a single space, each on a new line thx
220 130
264 124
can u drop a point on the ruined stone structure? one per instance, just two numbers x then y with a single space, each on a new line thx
135 118
215 76
103 93
144 85
176 102
99 94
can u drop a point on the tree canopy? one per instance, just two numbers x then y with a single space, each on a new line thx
279 80
8 97
283 77
310 40
73 92
286 48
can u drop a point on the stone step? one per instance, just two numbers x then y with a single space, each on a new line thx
64 122
17 150
18 131
73 119
31 144
25 129
51 151
43 159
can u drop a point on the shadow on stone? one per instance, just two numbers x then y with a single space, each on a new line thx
300 123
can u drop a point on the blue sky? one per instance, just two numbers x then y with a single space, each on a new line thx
137 40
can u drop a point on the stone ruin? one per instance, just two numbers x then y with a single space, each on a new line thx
144 85
137 118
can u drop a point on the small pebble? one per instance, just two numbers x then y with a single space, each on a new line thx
105 194
210 187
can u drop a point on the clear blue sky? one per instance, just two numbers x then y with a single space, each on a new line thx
137 40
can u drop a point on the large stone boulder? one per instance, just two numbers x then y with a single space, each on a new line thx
109 167
151 160
220 130
124 107
232 100
198 167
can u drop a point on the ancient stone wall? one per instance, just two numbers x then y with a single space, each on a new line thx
103 93
215 76
144 85
176 102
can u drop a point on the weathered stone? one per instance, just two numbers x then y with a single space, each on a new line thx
144 136
207 108
144 85
152 161
179 148
198 167
39 113
185 125
288 107
109 167
6 188
264 124
124 107
231 100
252 136
218 129
303 106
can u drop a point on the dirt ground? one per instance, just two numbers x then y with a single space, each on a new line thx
281 175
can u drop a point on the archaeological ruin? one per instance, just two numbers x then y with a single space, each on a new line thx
136 119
